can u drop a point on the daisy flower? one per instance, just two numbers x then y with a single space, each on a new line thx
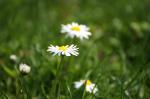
64 50
24 69
76 30
89 86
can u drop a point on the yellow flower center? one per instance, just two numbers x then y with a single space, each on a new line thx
76 28
63 48
88 82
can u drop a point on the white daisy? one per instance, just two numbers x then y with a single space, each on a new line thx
76 30
24 69
64 50
89 86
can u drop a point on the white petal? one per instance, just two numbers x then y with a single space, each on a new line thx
67 54
91 88
78 84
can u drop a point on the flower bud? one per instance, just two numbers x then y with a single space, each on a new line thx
13 58
24 69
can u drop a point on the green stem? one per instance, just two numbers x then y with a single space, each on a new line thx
58 92
69 90
59 67
122 90
58 72
20 82
84 92
23 88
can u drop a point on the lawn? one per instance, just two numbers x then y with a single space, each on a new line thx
115 57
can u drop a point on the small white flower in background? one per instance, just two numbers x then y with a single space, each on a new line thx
13 57
64 50
89 86
24 69
76 30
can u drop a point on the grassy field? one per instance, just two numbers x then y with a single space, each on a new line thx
116 57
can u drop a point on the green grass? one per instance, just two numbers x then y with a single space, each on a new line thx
116 57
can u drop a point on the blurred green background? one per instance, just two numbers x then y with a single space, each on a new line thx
117 54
